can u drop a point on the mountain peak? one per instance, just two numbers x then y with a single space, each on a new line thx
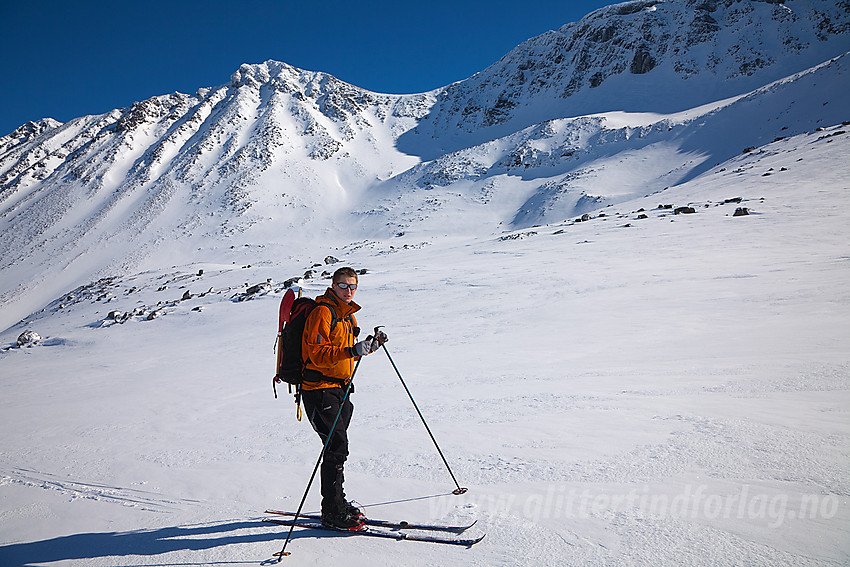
642 56
27 132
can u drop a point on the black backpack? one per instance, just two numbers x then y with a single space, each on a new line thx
291 367
293 317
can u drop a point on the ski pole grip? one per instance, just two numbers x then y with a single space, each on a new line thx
379 335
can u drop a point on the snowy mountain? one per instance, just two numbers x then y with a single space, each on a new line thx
278 149
293 145
613 268
651 56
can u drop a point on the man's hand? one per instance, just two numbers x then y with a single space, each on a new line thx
364 347
370 344
380 339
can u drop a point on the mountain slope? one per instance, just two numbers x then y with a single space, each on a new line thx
566 167
276 145
641 56
282 155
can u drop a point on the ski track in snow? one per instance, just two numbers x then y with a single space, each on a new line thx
130 497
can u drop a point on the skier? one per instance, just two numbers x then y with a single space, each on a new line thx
330 352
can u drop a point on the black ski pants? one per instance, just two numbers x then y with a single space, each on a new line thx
322 407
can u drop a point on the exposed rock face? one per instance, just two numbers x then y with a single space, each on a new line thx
719 48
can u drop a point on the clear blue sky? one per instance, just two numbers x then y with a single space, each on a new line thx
68 59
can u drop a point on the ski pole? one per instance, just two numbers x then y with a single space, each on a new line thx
459 490
283 553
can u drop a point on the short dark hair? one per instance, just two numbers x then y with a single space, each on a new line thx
345 272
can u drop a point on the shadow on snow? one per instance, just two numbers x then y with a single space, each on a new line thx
148 543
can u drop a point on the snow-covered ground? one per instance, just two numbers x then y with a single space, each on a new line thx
668 390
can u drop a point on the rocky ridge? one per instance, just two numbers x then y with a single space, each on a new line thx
616 58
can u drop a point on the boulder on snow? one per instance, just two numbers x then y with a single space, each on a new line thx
119 316
29 339
264 287
684 210
331 260
253 292
741 212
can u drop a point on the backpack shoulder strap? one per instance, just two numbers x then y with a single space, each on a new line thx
334 318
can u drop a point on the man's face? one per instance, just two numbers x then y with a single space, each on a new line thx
345 287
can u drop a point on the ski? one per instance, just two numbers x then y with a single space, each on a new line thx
375 531
387 524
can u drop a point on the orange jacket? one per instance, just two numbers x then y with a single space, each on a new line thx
325 351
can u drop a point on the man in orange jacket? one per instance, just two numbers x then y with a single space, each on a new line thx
330 352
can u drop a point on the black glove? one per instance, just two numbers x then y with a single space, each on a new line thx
380 339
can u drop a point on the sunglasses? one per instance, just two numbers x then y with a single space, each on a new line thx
351 286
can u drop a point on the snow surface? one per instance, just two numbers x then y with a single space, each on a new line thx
674 392
639 388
